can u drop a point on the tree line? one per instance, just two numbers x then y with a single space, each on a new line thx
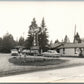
7 42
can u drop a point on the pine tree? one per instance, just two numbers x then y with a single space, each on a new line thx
40 33
1 41
43 37
21 41
56 41
77 38
32 29
29 42
66 39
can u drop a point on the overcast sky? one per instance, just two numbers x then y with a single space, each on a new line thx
60 18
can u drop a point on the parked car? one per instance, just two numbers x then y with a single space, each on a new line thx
14 52
25 51
29 52
51 53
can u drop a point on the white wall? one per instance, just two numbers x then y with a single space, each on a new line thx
69 52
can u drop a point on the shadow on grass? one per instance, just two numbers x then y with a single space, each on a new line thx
36 62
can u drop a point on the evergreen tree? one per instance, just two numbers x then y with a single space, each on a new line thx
40 33
56 41
1 44
66 39
29 41
7 43
21 41
77 38
0 41
43 37
33 27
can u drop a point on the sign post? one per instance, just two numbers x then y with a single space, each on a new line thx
35 46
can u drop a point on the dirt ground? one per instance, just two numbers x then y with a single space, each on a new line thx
11 66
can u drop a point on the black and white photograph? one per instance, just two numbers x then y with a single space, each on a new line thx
41 41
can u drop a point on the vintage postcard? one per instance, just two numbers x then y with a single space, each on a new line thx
41 41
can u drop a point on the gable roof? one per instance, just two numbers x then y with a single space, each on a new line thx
55 45
72 45
67 45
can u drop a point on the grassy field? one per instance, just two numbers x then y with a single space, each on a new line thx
10 65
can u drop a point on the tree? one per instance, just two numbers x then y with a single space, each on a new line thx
7 43
43 37
21 41
66 39
29 41
0 44
33 27
56 41
0 41
77 38
37 34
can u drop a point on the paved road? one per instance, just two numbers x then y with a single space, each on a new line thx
71 74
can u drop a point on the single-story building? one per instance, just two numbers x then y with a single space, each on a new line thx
70 49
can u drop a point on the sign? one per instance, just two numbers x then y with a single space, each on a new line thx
35 47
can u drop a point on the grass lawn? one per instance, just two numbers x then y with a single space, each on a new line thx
10 65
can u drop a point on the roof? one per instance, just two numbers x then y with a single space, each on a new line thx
67 45
72 45
55 45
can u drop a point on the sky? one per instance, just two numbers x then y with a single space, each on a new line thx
60 18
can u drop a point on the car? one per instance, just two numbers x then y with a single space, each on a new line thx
29 52
51 53
14 52
25 51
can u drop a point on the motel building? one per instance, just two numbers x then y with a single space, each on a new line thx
69 49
